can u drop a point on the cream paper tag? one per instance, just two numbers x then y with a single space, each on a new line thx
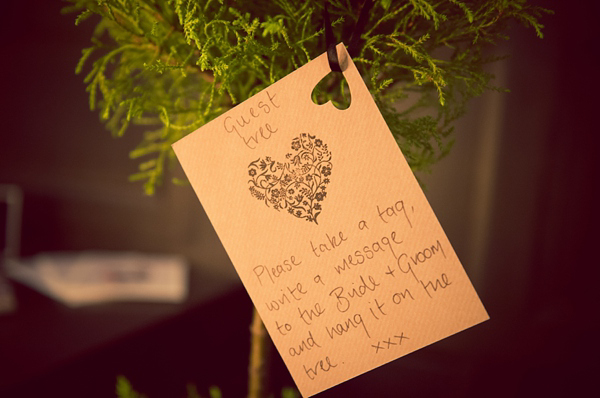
328 229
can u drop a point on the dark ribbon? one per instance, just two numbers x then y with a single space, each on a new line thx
355 40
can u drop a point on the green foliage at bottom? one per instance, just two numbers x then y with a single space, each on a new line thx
125 390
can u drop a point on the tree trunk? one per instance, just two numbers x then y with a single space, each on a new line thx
258 368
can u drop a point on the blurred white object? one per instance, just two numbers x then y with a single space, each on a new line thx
96 277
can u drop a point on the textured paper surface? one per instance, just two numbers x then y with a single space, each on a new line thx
328 229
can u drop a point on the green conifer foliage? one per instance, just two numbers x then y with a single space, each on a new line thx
173 65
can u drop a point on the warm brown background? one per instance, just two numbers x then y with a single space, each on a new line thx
516 197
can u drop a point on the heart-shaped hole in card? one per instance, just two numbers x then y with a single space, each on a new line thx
298 184
333 87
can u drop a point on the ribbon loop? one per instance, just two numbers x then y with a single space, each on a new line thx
355 40
332 57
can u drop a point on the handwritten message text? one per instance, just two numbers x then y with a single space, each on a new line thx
370 277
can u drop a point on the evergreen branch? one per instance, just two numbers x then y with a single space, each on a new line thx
174 65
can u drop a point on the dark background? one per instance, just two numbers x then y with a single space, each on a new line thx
517 198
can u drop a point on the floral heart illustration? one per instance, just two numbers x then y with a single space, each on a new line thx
297 185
